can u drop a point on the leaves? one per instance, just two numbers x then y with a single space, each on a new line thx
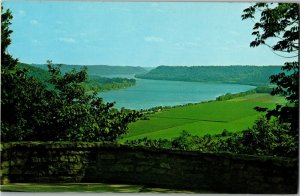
276 21
280 21
266 137
64 112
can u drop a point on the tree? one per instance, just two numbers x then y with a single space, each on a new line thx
16 88
59 111
280 22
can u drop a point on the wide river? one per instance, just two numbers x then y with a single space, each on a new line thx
150 93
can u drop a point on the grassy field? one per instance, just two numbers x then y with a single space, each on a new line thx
203 118
87 188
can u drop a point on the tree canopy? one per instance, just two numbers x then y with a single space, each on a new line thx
280 22
64 111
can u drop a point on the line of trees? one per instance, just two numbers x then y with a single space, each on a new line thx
101 84
265 138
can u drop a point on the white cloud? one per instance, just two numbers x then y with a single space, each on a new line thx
35 41
34 22
67 40
153 39
185 45
21 12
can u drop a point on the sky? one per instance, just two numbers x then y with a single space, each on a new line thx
134 33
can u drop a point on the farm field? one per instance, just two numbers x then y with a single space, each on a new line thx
203 118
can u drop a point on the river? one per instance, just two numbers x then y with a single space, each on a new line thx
150 93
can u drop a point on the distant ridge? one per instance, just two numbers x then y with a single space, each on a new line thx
239 74
36 72
100 70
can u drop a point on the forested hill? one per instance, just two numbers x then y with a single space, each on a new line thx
93 82
100 70
252 75
38 73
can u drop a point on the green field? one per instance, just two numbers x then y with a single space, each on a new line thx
87 188
203 118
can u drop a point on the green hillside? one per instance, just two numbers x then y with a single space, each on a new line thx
99 70
93 83
101 84
203 118
252 75
35 72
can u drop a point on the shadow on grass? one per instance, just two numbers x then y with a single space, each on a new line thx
70 187
85 187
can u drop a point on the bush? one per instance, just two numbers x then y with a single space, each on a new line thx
270 138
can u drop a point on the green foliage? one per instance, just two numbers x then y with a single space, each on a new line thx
101 84
37 73
253 75
266 137
65 112
264 89
276 20
280 22
93 83
6 59
259 89
229 96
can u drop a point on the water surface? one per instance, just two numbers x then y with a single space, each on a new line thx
150 93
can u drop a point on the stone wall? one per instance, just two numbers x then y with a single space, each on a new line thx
111 163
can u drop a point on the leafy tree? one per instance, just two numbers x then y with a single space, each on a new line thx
16 89
280 22
266 137
64 112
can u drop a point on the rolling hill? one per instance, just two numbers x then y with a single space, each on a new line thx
93 82
100 70
251 75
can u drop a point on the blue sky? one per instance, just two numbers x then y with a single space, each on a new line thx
134 33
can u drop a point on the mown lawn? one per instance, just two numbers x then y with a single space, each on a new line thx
203 118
